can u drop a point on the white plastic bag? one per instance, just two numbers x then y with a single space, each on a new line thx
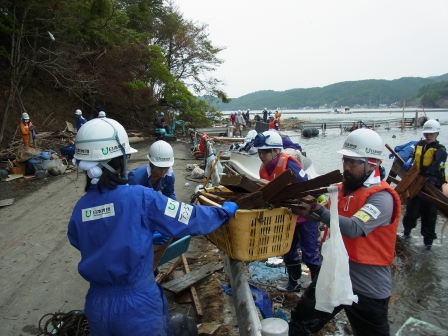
334 286
216 174
197 172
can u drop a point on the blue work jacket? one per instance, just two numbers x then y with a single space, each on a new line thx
113 231
165 185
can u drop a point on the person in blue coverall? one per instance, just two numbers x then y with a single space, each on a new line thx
158 175
113 225
306 234
80 120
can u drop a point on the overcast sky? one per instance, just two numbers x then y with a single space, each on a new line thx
286 44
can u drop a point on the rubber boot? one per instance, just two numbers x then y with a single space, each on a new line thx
407 236
314 270
428 243
294 274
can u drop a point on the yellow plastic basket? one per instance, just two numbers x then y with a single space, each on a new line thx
254 234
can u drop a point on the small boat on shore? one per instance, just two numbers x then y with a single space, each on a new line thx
249 164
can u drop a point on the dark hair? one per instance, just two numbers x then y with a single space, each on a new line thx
108 179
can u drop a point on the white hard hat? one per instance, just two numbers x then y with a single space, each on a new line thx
268 139
161 154
78 112
162 114
99 140
102 114
431 126
363 143
25 115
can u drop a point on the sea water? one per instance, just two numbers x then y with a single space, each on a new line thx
421 291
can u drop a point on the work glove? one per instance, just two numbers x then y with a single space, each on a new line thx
391 156
408 164
159 239
34 136
31 128
230 207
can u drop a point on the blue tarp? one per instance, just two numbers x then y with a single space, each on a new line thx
37 160
261 299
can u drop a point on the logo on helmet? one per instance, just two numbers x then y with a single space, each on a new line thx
350 146
373 151
82 151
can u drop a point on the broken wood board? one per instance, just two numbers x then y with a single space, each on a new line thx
193 293
277 185
239 183
410 185
180 284
6 202
291 191
161 277
251 201
440 205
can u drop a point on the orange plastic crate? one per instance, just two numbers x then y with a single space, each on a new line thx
254 234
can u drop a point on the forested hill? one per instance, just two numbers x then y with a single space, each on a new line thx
367 93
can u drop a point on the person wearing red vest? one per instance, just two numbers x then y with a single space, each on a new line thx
306 234
369 212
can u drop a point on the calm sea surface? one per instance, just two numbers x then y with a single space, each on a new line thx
420 292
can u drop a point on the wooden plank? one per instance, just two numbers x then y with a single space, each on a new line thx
232 171
161 277
417 185
441 206
193 293
178 285
291 191
6 202
407 180
276 185
239 183
251 201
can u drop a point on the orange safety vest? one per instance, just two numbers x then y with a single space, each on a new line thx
279 168
378 247
25 128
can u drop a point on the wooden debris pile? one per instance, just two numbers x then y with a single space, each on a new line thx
278 192
44 141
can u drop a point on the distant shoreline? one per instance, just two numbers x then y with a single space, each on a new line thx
407 111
